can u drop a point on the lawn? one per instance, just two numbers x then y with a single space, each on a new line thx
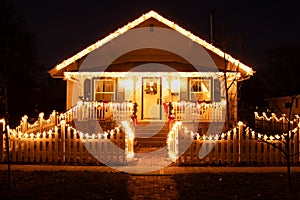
107 185
64 185
236 186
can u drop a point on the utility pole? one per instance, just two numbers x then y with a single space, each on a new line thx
211 26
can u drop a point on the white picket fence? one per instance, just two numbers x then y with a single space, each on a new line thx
64 144
39 125
241 145
54 140
274 123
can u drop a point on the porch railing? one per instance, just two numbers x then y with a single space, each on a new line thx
191 111
108 111
120 111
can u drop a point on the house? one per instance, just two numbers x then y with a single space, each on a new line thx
156 65
281 105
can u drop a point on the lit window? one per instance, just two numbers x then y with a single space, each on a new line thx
200 90
104 90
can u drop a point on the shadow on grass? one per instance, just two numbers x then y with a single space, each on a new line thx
236 186
64 185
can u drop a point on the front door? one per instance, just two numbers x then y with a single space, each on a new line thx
151 98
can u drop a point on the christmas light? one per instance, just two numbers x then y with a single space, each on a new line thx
163 20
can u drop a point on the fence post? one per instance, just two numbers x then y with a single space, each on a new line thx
2 126
41 119
240 142
68 150
222 148
298 133
56 144
235 147
44 147
284 123
228 143
50 147
74 146
63 140
24 124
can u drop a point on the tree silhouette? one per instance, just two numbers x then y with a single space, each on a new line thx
282 78
17 65
18 61
230 43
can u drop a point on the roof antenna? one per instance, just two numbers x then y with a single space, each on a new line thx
211 26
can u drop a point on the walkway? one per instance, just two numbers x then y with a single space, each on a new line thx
152 187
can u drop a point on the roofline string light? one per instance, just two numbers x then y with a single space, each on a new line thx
138 21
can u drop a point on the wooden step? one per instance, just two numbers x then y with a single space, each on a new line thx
150 134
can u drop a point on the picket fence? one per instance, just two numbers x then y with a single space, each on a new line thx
64 144
240 145
274 123
54 140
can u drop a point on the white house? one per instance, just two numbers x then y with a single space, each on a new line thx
152 61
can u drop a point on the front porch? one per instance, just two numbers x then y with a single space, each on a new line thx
111 95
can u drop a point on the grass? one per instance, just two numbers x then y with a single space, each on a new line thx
240 186
64 185
105 185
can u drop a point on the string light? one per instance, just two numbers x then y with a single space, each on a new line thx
263 137
172 25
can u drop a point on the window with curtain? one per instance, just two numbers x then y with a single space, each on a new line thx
200 89
104 90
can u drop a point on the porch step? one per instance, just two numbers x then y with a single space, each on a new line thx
151 135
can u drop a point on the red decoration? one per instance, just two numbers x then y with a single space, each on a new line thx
171 119
134 120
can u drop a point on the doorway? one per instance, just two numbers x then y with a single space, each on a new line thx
151 98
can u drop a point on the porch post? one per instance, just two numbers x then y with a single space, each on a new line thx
134 88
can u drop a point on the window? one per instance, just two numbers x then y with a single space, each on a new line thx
200 90
104 90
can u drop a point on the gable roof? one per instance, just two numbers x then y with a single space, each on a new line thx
152 14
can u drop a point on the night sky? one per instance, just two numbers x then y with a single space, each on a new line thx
63 28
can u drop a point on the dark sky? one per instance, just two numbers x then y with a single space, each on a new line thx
65 27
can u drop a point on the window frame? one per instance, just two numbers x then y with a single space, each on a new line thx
96 82
199 79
